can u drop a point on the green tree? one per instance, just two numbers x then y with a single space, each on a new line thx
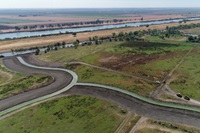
121 34
78 41
191 39
74 34
90 39
114 35
75 43
37 52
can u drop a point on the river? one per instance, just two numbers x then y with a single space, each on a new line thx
92 28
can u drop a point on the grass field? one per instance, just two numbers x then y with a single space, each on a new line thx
3 78
192 31
176 39
73 114
135 47
186 79
68 54
23 84
94 75
144 59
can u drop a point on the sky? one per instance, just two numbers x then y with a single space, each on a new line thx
97 3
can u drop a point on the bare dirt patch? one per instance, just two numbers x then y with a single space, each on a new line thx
106 58
118 61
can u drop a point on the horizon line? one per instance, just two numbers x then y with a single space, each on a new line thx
90 7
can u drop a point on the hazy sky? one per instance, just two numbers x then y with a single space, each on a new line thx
96 3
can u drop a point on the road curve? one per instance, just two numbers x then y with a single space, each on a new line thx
141 105
64 80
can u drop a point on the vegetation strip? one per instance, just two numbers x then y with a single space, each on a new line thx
147 100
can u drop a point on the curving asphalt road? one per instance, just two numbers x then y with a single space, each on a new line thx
66 79
137 106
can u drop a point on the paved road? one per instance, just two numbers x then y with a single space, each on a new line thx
62 79
138 104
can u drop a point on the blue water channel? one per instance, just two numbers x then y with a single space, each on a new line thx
92 28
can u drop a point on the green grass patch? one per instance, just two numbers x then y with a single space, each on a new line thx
135 47
68 54
186 77
73 114
176 39
91 59
94 75
23 85
157 69
3 78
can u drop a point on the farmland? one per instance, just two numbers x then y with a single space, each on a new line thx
34 17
